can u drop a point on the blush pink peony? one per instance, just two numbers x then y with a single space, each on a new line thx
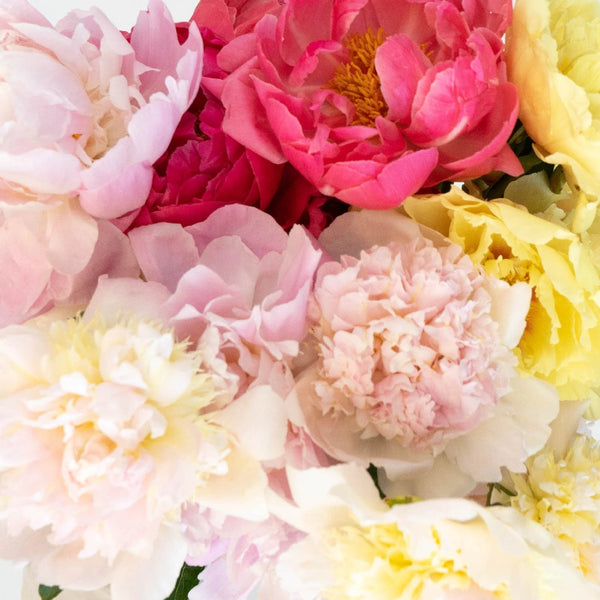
110 427
86 111
240 272
373 100
414 358
52 255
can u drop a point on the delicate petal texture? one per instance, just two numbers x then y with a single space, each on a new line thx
553 52
563 494
240 272
110 427
448 549
373 101
84 115
562 335
412 371
52 255
87 112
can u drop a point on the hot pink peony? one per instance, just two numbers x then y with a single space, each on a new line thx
204 168
373 100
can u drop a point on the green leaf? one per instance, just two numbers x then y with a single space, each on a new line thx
372 470
47 592
187 580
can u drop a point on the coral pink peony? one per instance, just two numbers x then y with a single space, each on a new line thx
110 427
373 100
413 357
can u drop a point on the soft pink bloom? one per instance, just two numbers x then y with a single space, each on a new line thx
110 426
86 111
414 358
249 551
240 272
52 255
373 100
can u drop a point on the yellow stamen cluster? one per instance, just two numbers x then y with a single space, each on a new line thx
358 80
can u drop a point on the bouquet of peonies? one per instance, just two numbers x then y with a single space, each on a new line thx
300 300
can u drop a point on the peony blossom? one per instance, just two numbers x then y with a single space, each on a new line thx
241 273
553 50
563 324
53 255
111 426
372 100
563 494
447 549
204 168
87 111
85 114
250 552
414 366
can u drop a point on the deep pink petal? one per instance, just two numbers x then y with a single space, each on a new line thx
400 64
386 187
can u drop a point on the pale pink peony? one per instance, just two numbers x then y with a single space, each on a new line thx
241 273
249 551
414 358
110 427
373 100
52 255
408 347
86 111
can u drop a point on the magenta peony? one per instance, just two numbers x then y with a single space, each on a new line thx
204 168
373 100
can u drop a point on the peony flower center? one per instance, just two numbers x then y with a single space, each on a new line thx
376 561
358 80
409 349
116 393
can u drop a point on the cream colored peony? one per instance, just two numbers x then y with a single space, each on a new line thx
109 427
444 549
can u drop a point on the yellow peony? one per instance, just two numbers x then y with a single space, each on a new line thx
356 548
553 58
562 336
564 496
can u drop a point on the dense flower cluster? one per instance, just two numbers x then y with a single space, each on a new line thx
290 300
